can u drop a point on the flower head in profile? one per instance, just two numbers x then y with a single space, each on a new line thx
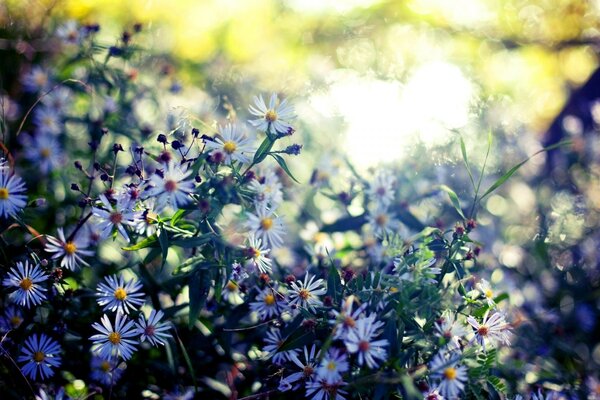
267 190
114 341
118 295
486 290
171 187
153 329
259 254
274 118
450 376
361 341
12 199
113 218
40 354
27 279
69 250
265 225
233 143
492 329
304 293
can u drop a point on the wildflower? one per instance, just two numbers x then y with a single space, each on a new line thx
267 190
70 250
449 329
381 221
322 390
172 188
258 255
233 144
47 121
58 99
105 372
238 272
113 218
433 394
307 368
274 341
114 342
360 340
492 328
129 196
60 395
69 32
12 319
332 366
269 303
11 198
266 226
381 190
412 272
26 278
40 354
118 295
145 221
593 386
42 150
486 290
345 320
152 329
452 377
231 293
304 292
36 80
274 118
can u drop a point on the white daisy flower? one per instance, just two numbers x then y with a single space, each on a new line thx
274 118
493 328
69 249
345 320
40 354
145 221
110 218
118 295
267 190
36 80
12 199
172 188
152 329
486 290
43 150
449 329
266 226
47 120
58 99
321 390
114 342
269 303
307 368
27 279
233 143
424 269
304 293
381 190
274 341
332 366
360 340
451 376
382 221
231 293
69 32
259 255
129 196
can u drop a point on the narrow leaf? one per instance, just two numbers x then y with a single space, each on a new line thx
163 239
454 199
263 150
334 285
148 242
280 160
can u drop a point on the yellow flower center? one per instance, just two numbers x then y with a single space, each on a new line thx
331 365
269 299
229 147
48 121
393 289
231 286
114 338
271 116
266 223
489 294
151 217
304 294
120 294
105 366
70 248
26 284
3 193
15 321
450 373
349 322
45 152
256 253
38 356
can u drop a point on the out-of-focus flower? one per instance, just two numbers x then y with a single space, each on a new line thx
381 190
12 199
43 150
47 120
451 376
259 254
36 80
105 372
332 366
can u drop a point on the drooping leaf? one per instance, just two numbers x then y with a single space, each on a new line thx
163 239
263 150
199 289
334 285
281 161
150 241
454 199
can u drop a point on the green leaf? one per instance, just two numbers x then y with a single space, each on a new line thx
263 150
191 242
199 289
463 150
163 239
334 285
454 199
148 242
281 161
296 340
188 361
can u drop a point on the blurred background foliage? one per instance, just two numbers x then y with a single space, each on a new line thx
393 82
